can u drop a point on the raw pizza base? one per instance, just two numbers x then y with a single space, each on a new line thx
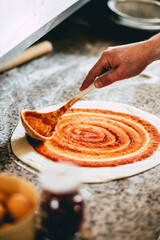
25 152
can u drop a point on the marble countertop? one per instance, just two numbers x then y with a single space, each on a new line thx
127 209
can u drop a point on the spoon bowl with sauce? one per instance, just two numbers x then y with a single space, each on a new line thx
41 126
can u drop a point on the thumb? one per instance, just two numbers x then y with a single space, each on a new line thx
107 79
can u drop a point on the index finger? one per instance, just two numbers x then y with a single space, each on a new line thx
93 73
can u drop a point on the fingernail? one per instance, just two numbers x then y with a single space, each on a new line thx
81 88
98 84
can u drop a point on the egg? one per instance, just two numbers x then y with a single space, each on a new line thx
2 212
2 197
18 205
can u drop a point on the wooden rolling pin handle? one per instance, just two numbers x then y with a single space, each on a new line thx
33 52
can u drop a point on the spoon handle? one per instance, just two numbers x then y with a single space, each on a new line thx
92 86
64 108
86 91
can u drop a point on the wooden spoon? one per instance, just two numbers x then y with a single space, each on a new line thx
41 126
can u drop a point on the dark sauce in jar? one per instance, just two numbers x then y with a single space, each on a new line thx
61 214
62 208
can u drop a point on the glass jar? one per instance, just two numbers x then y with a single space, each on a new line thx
61 204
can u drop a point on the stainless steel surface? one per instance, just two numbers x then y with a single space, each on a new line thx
24 22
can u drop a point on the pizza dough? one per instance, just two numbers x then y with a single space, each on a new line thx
25 152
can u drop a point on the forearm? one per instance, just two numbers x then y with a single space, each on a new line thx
154 45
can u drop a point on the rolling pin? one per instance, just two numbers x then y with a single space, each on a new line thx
30 53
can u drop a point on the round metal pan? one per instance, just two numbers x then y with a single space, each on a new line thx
138 14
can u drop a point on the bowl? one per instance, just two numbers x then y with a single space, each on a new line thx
138 14
24 228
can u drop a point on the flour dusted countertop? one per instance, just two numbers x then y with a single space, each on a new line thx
127 209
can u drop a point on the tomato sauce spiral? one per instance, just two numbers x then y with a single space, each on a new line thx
100 138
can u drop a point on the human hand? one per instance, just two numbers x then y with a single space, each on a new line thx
126 60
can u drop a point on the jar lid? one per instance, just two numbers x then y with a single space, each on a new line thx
61 178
